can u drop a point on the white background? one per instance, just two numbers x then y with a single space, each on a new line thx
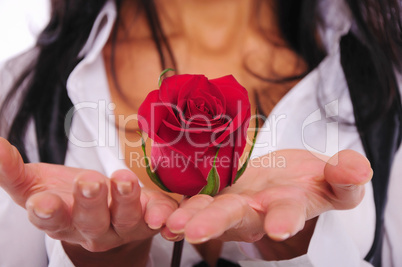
20 22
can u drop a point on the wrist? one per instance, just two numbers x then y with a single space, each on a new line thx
135 253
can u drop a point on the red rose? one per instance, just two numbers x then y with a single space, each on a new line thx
189 118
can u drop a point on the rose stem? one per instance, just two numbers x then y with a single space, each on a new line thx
177 250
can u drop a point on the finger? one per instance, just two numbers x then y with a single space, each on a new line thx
170 236
49 213
188 208
158 208
23 180
12 172
284 218
91 215
347 172
226 212
126 207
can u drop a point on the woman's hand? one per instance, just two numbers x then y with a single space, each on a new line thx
275 200
83 207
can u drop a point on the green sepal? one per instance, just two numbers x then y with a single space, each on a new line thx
244 167
163 73
154 177
213 180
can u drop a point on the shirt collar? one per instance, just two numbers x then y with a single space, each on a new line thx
100 32
91 51
336 21
334 14
335 17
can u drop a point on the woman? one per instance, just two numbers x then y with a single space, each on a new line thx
285 54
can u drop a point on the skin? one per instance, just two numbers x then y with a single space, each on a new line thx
85 210
214 38
114 218
276 201
192 29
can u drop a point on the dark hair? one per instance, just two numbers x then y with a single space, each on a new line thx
43 82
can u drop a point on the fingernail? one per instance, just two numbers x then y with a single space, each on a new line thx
347 187
171 236
197 241
278 236
124 187
177 231
155 226
43 214
89 189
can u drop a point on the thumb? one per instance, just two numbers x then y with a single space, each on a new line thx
12 172
347 172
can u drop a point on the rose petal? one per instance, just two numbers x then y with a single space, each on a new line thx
241 141
208 100
224 164
169 92
184 142
199 86
171 87
177 172
236 96
195 110
195 127
151 114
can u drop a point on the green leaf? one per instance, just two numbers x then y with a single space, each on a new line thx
163 73
154 177
244 167
213 180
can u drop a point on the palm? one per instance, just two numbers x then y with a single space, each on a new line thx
276 200
81 206
41 177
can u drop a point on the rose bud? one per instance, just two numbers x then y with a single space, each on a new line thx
199 131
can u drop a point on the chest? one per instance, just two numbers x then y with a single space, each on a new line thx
133 68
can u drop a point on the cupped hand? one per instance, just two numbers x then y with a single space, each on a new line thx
83 207
274 200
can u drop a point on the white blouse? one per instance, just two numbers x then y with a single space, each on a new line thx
304 119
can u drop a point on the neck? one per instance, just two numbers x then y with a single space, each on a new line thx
207 25
212 25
